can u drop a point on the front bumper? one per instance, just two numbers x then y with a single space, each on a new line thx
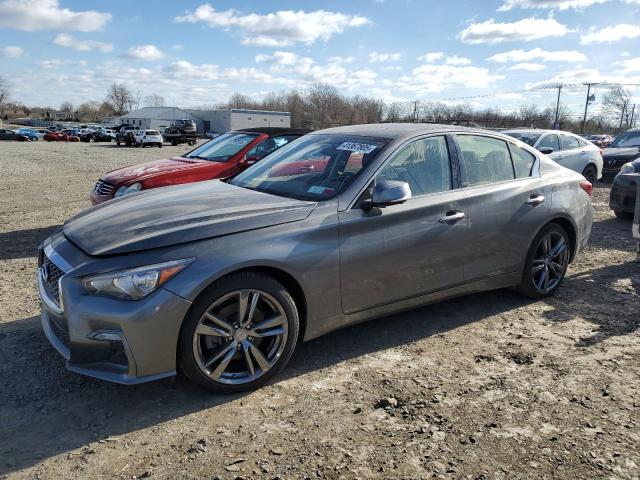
122 341
622 197
97 199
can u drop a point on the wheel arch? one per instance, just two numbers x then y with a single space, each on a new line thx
569 226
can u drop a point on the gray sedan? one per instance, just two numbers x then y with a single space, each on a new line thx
224 279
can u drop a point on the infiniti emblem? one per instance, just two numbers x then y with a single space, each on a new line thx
45 273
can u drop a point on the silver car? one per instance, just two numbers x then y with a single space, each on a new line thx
565 148
224 279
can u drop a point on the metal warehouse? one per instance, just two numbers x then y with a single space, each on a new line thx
216 121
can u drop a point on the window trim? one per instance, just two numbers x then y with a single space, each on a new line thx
454 167
535 170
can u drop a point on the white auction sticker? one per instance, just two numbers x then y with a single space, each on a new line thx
357 147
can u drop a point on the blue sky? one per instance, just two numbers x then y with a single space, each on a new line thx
498 53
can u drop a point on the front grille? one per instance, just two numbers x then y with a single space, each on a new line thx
103 188
51 273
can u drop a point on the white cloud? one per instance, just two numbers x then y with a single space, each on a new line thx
431 57
144 52
281 58
430 78
65 40
611 34
375 57
529 67
525 30
545 55
11 51
456 60
281 28
555 4
630 65
582 76
33 15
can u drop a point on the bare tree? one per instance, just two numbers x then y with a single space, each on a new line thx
120 98
154 100
66 107
4 91
615 104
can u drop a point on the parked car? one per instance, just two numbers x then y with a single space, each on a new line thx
72 135
222 279
565 148
599 140
95 136
6 134
29 133
222 157
125 135
622 198
142 138
624 149
56 137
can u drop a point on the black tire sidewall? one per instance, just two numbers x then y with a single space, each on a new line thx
226 285
590 168
527 286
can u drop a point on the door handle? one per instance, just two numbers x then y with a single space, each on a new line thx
535 200
452 217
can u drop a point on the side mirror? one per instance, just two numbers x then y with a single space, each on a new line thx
545 150
389 192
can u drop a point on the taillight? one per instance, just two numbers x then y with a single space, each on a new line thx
587 187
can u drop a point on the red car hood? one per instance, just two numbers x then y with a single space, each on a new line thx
156 168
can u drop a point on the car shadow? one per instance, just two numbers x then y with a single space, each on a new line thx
50 411
590 294
24 243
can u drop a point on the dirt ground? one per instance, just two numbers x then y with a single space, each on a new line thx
489 386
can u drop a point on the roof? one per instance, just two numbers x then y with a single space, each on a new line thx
273 131
396 130
159 113
260 112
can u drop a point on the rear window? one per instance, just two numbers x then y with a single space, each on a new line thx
486 160
152 132
568 142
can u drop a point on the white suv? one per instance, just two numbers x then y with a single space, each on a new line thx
142 138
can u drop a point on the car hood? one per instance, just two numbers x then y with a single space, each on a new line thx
172 215
146 170
622 153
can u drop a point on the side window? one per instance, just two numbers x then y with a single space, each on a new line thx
522 161
263 149
486 159
582 142
550 141
423 164
568 142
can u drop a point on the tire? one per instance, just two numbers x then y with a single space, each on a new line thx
623 215
118 143
159 145
590 173
533 283
222 298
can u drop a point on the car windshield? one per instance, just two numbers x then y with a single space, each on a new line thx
627 139
529 138
222 148
314 167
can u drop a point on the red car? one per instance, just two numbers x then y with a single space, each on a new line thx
60 137
222 157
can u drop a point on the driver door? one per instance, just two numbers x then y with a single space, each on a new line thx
403 251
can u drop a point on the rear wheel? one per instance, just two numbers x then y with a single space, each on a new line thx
546 263
623 215
590 173
239 334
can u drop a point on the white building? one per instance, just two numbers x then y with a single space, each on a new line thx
217 121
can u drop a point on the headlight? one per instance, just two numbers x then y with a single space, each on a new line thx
627 168
135 187
134 283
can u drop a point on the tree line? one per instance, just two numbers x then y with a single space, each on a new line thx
322 106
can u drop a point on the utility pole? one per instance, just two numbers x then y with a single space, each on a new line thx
586 106
556 125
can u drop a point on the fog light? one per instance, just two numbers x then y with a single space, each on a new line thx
105 336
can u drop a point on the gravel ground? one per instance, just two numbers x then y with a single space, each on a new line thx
488 386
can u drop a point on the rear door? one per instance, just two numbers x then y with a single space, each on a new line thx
506 201
572 154
403 251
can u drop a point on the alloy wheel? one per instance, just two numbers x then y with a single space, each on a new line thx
240 336
550 262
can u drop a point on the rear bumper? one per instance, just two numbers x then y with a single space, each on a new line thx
121 341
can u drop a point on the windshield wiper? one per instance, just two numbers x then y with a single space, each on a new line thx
198 157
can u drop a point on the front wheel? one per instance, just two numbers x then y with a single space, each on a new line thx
239 334
590 174
547 262
623 215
